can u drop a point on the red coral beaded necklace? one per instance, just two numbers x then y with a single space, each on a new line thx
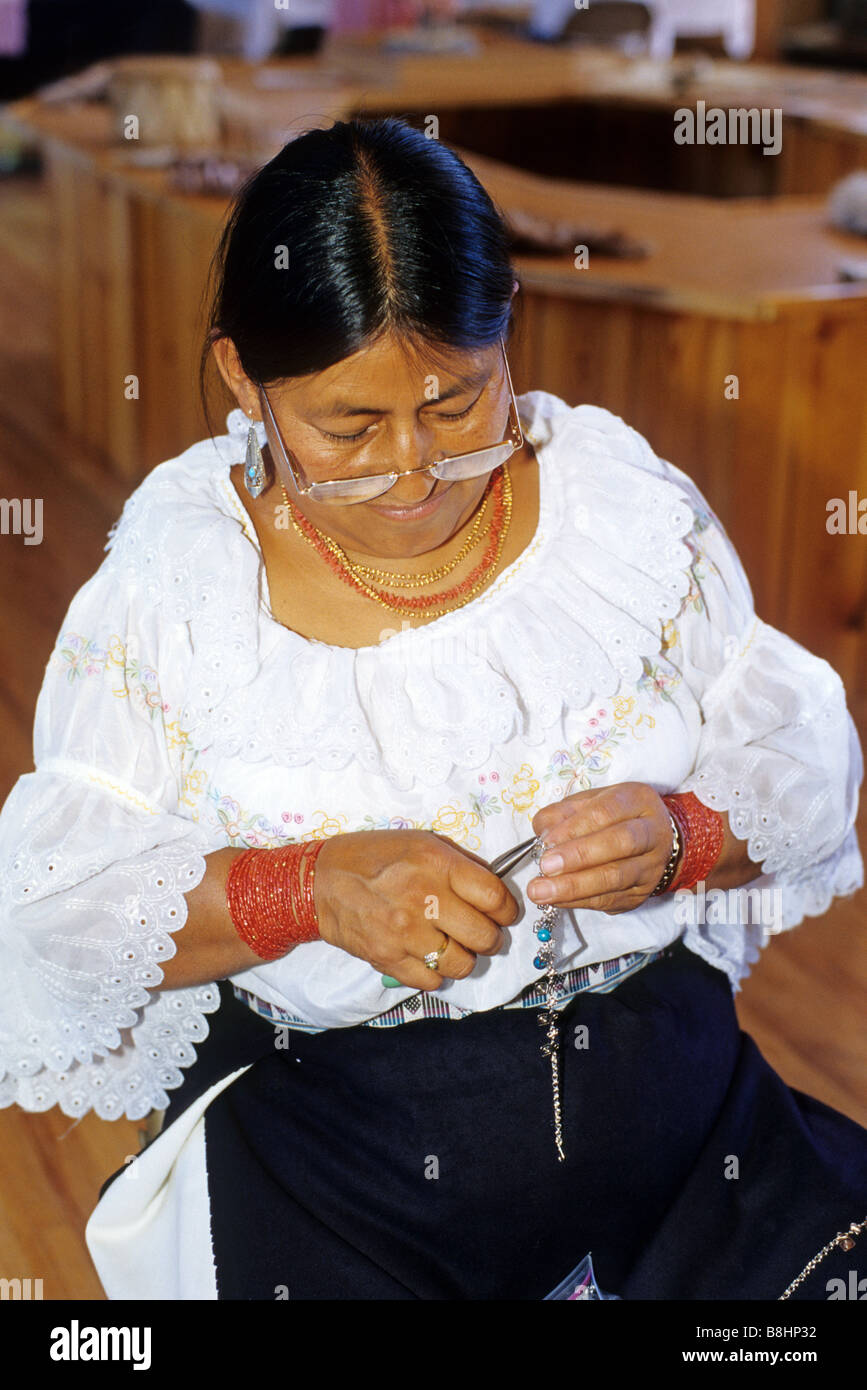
431 605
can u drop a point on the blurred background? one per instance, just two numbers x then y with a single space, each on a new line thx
714 295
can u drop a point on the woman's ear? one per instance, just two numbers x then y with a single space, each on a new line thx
230 369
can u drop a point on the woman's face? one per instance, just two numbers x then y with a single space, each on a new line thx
388 407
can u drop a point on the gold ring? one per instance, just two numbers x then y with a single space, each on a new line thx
432 959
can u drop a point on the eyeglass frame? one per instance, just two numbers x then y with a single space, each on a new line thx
516 440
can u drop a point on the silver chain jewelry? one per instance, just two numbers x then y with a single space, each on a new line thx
544 929
844 1240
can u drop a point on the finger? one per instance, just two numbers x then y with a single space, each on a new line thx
625 840
471 854
455 963
549 817
609 806
477 886
476 858
462 849
410 972
594 888
461 923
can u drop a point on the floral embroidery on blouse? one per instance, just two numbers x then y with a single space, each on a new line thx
245 830
657 682
573 769
578 768
521 795
670 635
253 830
176 737
194 786
693 599
81 657
588 761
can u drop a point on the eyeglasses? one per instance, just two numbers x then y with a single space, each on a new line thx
454 467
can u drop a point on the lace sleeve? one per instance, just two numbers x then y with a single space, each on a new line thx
95 859
778 749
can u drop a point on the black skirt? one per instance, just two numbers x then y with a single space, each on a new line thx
418 1162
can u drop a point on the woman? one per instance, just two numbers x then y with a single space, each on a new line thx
394 623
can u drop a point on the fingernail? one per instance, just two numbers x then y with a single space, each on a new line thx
541 892
551 863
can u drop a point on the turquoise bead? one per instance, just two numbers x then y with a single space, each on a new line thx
390 982
539 963
544 934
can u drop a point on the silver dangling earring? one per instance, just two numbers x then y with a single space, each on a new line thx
255 477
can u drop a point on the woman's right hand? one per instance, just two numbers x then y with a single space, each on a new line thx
388 896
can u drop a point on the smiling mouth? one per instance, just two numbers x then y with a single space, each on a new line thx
417 511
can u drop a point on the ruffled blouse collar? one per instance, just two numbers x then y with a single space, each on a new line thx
569 621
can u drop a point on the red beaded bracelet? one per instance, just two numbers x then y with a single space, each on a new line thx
702 834
269 893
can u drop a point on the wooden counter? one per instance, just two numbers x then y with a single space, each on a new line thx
742 288
593 114
582 113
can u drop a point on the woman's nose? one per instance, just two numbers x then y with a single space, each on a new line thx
412 489
412 451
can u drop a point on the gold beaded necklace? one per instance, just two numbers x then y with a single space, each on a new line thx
420 581
339 561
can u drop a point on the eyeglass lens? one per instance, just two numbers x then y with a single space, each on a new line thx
454 470
367 486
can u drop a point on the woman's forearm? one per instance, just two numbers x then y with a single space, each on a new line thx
370 889
208 946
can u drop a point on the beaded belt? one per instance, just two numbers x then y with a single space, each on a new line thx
599 978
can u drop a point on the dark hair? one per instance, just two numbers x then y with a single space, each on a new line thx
381 229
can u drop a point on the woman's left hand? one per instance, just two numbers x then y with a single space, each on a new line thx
613 844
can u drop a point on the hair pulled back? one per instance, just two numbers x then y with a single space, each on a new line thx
350 232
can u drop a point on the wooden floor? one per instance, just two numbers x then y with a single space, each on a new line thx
804 1002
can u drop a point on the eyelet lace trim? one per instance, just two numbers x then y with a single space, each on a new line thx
71 1046
808 893
782 808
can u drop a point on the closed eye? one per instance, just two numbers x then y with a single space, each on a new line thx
346 437
350 438
459 414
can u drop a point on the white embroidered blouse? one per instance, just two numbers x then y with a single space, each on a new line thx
177 717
